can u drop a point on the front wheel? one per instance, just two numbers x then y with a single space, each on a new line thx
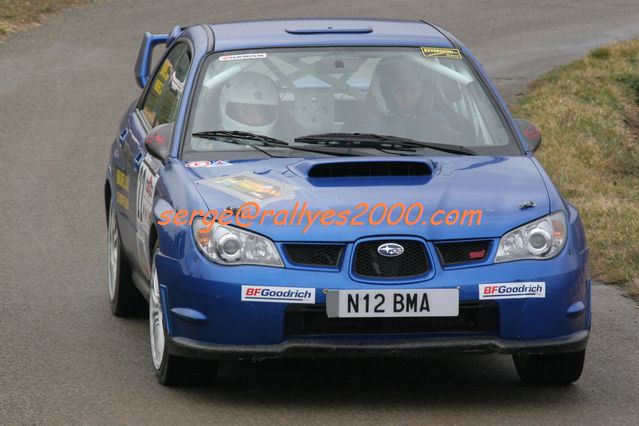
170 369
550 369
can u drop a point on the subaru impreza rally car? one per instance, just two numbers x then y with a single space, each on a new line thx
439 229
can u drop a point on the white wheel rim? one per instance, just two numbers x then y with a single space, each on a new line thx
156 323
113 248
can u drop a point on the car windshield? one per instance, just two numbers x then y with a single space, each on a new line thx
304 96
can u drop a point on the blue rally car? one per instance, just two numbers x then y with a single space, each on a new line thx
320 187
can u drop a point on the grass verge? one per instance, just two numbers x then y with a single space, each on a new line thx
17 14
588 112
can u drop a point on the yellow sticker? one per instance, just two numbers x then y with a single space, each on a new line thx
441 52
158 86
123 200
121 179
248 185
164 71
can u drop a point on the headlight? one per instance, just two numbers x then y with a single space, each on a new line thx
227 245
541 239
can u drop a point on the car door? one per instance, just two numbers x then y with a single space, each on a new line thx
159 105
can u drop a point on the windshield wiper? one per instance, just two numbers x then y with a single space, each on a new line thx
236 134
265 140
372 140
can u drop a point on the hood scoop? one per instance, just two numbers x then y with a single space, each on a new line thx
364 169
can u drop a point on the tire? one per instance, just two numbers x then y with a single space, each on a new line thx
125 299
172 370
550 369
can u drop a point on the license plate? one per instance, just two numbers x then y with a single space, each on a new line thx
392 303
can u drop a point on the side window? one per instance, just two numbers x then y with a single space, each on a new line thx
163 97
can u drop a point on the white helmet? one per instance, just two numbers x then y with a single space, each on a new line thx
249 102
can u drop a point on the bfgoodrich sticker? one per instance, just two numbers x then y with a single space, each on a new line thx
512 290
254 293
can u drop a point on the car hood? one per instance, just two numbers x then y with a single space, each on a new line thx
494 186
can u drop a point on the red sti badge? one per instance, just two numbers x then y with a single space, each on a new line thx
477 254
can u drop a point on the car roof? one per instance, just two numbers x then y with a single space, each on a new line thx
325 32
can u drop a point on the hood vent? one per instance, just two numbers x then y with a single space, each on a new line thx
369 169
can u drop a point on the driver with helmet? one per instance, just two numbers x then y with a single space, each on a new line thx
400 104
249 102
396 100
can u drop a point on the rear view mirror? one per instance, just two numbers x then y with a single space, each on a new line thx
530 132
158 141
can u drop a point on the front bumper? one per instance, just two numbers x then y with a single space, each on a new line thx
403 348
206 317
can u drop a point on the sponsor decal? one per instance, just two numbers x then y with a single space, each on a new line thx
157 139
520 290
164 71
218 163
441 52
158 86
123 200
147 179
227 58
247 187
255 293
121 179
195 164
152 163
531 133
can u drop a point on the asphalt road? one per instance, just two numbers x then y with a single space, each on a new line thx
65 359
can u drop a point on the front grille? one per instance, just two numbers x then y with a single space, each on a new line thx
464 252
369 263
314 254
474 317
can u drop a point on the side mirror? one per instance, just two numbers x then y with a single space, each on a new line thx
158 141
530 132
